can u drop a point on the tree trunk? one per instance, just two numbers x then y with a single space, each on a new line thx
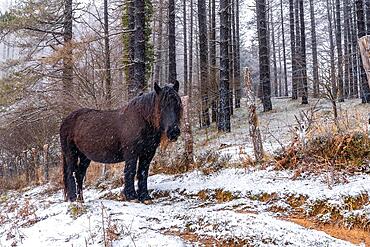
46 162
139 67
264 55
332 62
315 63
274 53
367 5
280 66
353 21
203 53
68 52
254 131
365 94
298 49
158 64
130 43
231 57
364 44
303 55
188 135
237 57
284 50
339 52
172 76
185 51
190 89
108 76
293 50
346 60
224 111
213 68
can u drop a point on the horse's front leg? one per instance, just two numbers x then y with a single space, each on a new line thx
142 176
130 170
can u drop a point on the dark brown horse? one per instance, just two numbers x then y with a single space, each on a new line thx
131 134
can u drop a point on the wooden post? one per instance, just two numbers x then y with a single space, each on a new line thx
33 177
188 135
254 130
46 162
364 44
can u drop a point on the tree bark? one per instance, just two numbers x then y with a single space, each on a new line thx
46 162
254 131
315 63
346 57
264 55
238 89
224 111
188 135
213 69
139 67
339 52
190 89
108 76
185 50
130 71
172 75
367 7
68 52
284 50
293 50
158 64
365 92
274 53
353 21
203 56
231 56
332 62
303 55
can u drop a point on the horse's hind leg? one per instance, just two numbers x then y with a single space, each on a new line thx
80 175
130 170
69 170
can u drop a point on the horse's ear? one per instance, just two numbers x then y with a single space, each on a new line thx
157 88
176 85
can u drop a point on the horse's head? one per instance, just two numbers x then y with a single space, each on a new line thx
170 110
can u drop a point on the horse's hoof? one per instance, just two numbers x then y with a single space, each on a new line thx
133 200
148 202
146 199
130 198
80 198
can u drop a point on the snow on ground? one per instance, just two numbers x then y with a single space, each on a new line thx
40 217
48 221
276 126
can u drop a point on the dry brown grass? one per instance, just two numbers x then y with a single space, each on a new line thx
193 237
338 152
21 181
355 236
341 145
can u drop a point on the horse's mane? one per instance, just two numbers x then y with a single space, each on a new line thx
145 105
148 105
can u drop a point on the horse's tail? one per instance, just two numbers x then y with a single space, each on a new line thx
64 165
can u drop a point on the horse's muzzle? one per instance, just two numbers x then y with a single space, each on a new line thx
173 133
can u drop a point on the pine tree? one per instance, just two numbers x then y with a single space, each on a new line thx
264 55
172 75
224 110
365 92
203 56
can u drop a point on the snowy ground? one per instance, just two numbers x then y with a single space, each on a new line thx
41 218
230 207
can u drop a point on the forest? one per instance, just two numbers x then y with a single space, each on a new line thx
275 122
